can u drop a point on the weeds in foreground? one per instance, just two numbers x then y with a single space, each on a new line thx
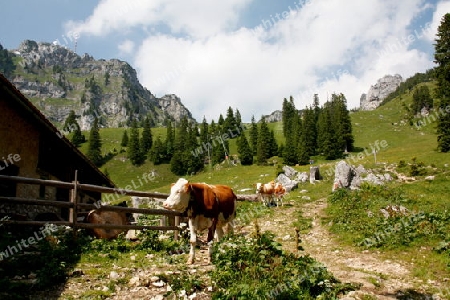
257 268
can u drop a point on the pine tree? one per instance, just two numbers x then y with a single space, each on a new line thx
147 139
94 152
71 125
194 163
157 152
342 122
245 153
169 142
204 134
290 152
238 119
264 145
442 71
302 147
78 137
134 150
421 99
7 66
124 142
309 131
288 116
254 136
326 137
229 124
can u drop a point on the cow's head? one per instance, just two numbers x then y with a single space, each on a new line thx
178 199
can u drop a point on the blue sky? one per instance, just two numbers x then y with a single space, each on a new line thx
246 54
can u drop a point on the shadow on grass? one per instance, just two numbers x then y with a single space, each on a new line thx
35 261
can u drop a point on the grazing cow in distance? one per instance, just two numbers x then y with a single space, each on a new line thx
265 192
279 192
207 207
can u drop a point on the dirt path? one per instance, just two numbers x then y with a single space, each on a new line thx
380 277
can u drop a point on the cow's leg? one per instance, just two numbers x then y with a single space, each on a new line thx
211 232
192 240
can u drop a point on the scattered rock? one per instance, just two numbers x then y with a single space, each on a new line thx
113 275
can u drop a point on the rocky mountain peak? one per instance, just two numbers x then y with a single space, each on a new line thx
57 80
378 92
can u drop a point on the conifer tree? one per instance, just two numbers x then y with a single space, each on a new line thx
288 116
78 137
147 139
204 134
124 142
290 152
194 163
134 152
157 153
442 59
244 150
421 99
264 145
254 136
309 131
238 118
230 121
302 152
273 146
326 137
169 142
71 125
94 152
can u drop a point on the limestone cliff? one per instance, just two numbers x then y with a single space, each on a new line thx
378 92
57 80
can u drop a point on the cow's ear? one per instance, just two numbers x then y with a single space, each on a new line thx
172 184
186 187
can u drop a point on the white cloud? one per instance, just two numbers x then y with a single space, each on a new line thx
326 47
197 18
126 47
442 8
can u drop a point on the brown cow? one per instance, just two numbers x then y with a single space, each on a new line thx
207 207
265 192
279 192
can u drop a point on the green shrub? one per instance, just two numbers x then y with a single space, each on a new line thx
257 268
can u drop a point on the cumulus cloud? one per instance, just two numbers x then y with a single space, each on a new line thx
126 47
197 18
442 8
324 47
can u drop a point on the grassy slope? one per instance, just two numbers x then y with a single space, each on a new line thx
383 124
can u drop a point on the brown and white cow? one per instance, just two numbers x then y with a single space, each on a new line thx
265 192
207 207
279 192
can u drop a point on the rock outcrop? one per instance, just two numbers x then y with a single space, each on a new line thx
276 116
378 92
57 80
350 177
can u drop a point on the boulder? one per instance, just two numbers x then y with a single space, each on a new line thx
289 172
302 177
288 184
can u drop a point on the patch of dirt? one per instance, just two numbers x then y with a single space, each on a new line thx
379 277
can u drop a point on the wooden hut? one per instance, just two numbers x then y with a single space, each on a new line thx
31 146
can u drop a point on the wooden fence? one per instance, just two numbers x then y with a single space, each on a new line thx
74 206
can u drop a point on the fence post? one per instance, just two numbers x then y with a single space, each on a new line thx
74 210
177 223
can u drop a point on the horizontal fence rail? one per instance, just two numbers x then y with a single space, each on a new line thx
74 206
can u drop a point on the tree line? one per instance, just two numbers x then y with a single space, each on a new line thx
315 130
